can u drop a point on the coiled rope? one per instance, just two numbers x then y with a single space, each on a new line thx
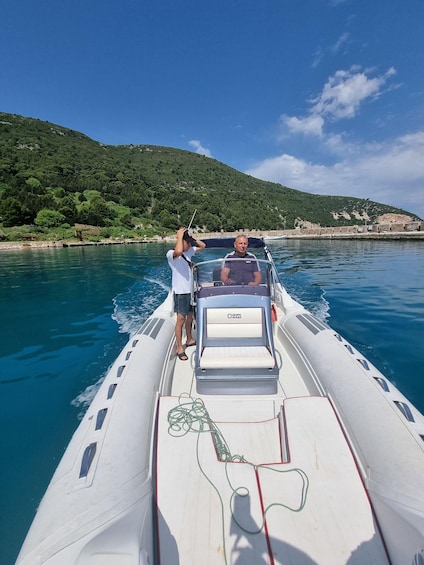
191 416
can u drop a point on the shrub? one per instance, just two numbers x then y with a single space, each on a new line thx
49 219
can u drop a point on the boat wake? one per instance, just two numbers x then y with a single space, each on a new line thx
84 399
321 309
133 307
313 299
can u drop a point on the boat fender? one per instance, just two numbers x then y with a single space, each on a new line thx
273 313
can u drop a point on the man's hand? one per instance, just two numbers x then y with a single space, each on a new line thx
180 233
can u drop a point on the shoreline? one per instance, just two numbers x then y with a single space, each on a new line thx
324 233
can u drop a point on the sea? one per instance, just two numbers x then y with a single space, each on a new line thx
67 312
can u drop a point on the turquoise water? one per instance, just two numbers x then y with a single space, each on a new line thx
66 314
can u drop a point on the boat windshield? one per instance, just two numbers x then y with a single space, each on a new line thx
238 274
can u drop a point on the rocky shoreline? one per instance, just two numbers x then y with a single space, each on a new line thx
322 233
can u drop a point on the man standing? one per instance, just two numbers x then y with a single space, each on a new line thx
179 260
241 267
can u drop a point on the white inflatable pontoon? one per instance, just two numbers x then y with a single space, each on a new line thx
276 443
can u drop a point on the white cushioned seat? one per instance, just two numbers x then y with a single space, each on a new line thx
254 357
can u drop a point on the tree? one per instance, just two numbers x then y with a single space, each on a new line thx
168 220
13 213
96 212
49 219
126 220
70 213
34 184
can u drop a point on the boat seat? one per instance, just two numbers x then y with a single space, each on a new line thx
233 323
237 325
235 351
235 357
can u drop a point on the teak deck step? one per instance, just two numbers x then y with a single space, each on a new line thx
208 508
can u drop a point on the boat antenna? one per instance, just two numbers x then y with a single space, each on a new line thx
191 221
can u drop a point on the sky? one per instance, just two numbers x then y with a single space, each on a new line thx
324 96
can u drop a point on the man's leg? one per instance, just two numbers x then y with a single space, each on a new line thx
188 328
179 332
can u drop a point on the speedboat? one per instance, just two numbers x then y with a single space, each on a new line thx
276 442
270 238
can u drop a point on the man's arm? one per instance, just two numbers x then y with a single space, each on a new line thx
257 279
225 271
178 249
199 244
257 275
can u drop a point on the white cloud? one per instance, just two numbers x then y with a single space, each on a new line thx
340 42
311 125
340 98
320 52
198 148
318 56
344 92
390 173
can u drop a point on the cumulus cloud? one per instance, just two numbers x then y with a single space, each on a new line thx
391 173
310 125
198 148
341 98
344 92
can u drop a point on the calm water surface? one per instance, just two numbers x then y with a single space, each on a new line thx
66 314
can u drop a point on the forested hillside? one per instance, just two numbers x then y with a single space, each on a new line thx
52 177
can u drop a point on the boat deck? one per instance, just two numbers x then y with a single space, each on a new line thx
248 480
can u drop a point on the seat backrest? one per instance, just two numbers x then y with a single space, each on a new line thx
233 323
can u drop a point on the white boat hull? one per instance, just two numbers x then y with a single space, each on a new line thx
326 469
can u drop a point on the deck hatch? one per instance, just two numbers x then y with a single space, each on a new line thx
87 459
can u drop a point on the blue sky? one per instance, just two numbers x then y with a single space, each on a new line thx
325 96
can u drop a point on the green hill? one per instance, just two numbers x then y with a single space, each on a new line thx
52 176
